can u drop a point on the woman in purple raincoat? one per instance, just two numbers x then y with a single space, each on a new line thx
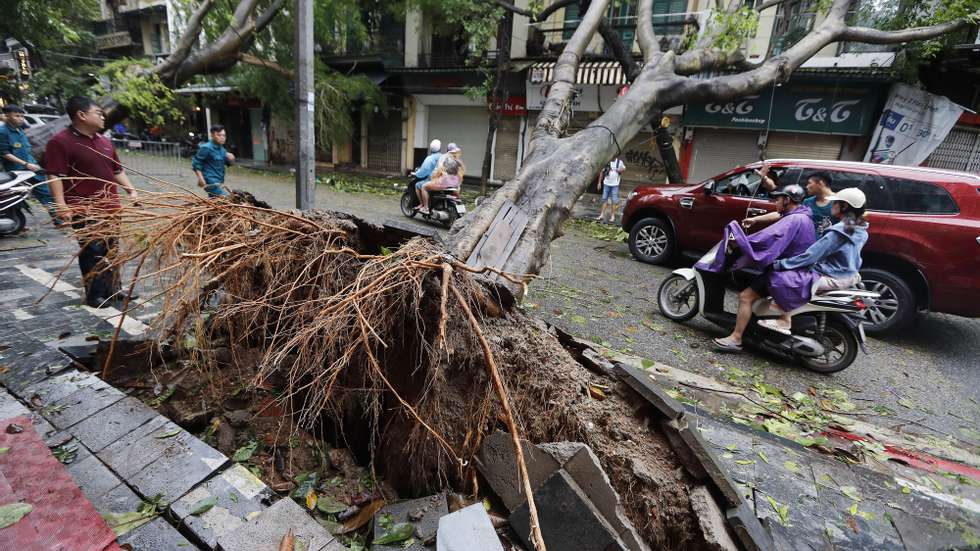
788 237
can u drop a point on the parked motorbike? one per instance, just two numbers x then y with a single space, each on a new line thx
444 206
827 331
15 188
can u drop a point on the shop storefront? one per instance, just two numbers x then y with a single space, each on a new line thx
802 120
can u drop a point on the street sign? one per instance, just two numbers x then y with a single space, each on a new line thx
113 40
512 106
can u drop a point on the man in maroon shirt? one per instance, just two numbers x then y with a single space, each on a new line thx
85 170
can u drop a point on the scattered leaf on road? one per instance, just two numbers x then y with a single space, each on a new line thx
647 364
781 510
762 455
203 506
122 523
746 461
791 466
12 513
851 492
288 542
4 450
363 516
245 452
168 434
329 505
311 499
579 319
399 532
906 490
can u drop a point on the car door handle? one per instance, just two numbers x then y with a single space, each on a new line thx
687 202
757 212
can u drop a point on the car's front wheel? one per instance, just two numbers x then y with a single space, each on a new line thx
894 309
652 241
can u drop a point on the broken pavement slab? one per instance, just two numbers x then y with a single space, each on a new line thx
264 531
711 519
497 463
468 529
238 495
640 381
424 513
112 423
568 520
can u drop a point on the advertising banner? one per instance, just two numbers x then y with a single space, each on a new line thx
913 123
822 108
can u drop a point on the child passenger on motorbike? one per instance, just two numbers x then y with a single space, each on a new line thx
447 176
835 258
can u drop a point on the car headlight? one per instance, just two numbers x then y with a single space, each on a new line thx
631 195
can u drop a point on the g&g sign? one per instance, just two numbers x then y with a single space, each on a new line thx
819 108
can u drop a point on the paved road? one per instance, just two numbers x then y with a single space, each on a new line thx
592 288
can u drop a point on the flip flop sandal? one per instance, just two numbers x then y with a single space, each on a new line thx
773 325
726 346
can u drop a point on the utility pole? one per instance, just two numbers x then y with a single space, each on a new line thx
306 156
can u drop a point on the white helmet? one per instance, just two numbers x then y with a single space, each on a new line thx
435 146
852 196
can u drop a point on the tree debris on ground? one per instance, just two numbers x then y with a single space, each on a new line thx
409 356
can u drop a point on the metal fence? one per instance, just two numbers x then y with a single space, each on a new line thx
146 160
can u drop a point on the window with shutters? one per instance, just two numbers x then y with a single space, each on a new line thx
669 16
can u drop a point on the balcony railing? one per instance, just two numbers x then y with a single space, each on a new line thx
442 60
379 46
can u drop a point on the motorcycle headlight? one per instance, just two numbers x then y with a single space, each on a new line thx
631 195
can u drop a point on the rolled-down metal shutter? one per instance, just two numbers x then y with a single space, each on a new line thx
787 145
716 151
505 155
466 127
959 151
385 141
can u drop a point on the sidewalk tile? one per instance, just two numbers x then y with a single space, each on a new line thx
239 495
112 423
47 392
264 531
182 466
139 448
94 478
80 405
154 535
10 407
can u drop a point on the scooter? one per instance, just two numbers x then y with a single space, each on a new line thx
15 188
827 331
444 206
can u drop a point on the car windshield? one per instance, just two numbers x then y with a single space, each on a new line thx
746 183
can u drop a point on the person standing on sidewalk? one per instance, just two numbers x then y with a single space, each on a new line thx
15 150
209 163
609 185
85 171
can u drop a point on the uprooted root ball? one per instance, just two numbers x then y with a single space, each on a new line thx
359 330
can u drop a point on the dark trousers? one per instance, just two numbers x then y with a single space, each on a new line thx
100 282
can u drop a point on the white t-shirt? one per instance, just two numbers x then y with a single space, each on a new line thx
612 175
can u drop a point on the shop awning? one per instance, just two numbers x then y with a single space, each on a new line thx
589 72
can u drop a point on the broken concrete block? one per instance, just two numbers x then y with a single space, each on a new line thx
594 362
640 381
568 518
697 457
561 451
748 529
264 531
587 472
424 513
714 526
468 529
497 463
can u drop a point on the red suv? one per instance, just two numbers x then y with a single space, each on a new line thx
923 252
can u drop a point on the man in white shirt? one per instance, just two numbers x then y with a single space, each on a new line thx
609 185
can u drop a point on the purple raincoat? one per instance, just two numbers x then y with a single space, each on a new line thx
791 235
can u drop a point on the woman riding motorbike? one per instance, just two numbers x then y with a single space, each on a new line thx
835 258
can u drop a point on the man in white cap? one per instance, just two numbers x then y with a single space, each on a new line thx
424 172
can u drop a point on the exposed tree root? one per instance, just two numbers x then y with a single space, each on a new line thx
359 330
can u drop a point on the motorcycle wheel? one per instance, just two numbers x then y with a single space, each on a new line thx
840 350
408 204
453 215
677 298
17 215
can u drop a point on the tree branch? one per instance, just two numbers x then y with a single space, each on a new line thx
874 36
625 58
268 64
706 59
644 31
542 15
554 115
187 40
268 15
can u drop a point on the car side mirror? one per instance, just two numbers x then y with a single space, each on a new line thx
709 188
